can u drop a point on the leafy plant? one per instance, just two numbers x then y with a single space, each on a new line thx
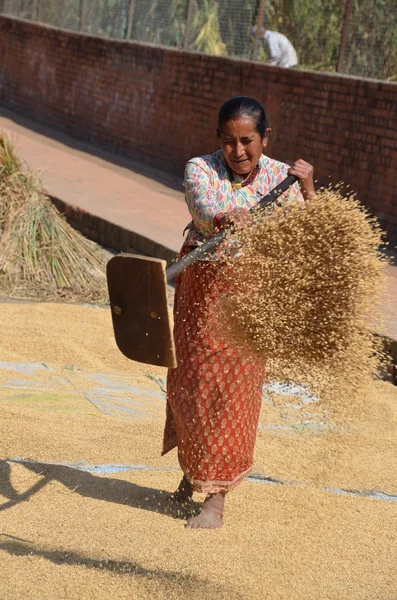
206 26
224 27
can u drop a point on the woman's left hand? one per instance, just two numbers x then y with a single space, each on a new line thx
304 172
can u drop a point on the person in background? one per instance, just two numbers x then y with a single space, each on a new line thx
214 395
279 49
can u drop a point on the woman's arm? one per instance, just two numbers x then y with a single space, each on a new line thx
200 197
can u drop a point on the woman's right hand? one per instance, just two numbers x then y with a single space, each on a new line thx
304 171
238 216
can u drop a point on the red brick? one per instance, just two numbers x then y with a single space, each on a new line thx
160 104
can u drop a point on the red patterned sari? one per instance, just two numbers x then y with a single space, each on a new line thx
214 395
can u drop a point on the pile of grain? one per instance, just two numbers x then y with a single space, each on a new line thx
41 256
67 533
305 292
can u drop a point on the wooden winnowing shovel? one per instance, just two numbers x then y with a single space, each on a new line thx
142 321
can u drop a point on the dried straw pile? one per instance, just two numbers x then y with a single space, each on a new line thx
305 292
41 256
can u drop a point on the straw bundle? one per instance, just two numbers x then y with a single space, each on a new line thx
305 291
41 256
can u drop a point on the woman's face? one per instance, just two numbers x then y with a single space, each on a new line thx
241 144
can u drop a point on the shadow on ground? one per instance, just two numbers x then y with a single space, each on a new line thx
171 581
106 489
92 486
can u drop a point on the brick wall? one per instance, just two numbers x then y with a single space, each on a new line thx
159 105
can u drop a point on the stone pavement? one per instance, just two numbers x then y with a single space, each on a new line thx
120 203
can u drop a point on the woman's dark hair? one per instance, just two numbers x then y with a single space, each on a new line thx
243 106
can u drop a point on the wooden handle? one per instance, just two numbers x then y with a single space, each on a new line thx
212 242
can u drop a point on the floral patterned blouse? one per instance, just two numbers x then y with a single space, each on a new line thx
209 191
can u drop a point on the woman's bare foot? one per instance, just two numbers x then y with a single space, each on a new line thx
211 515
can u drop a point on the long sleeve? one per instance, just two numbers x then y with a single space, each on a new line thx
200 197
273 49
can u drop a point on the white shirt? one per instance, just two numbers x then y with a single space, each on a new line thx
280 50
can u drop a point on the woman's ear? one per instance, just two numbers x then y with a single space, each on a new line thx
266 138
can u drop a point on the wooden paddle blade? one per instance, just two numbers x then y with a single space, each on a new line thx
142 321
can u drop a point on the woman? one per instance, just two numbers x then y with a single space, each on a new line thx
214 395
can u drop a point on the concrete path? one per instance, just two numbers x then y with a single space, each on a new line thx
120 203
104 188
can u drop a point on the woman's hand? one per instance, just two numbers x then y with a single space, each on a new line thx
304 172
239 217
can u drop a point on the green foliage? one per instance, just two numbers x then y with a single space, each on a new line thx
21 8
372 41
206 27
235 24
104 17
313 27
61 14
223 27
160 21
